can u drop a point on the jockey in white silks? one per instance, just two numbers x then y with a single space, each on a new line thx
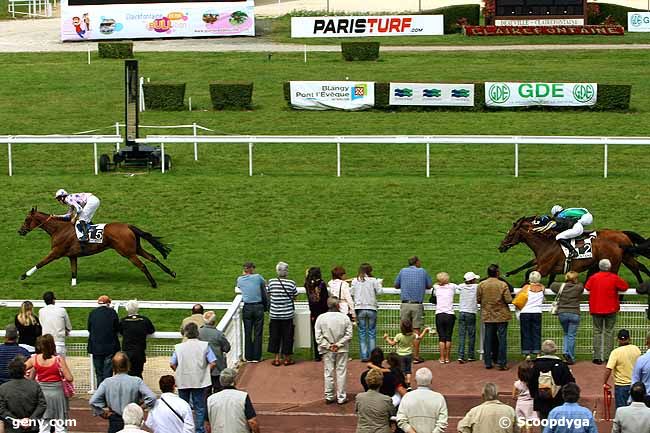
84 204
576 217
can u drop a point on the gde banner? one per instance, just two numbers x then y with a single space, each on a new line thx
547 94
332 95
638 21
424 94
357 26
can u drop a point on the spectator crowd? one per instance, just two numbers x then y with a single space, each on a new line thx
201 396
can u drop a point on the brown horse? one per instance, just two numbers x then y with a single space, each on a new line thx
549 257
123 238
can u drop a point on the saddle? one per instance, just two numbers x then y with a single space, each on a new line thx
582 244
95 233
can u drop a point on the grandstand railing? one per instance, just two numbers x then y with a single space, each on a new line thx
427 140
632 317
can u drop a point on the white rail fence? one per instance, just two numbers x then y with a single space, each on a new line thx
426 140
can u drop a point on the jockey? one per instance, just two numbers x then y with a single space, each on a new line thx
84 204
576 218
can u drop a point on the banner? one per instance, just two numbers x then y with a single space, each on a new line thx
358 26
156 20
518 22
547 94
332 95
638 21
543 30
434 95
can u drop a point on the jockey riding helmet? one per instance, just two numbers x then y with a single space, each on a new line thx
60 193
556 209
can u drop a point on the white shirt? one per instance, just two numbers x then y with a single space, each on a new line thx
341 289
132 429
467 298
162 419
55 321
445 297
534 303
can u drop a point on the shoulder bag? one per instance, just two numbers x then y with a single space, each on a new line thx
68 387
293 303
522 298
172 409
555 305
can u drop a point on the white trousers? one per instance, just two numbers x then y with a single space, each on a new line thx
335 364
577 229
60 348
88 212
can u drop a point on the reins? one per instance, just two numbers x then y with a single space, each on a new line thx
44 222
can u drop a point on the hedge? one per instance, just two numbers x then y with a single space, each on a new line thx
468 14
115 50
611 97
599 12
360 50
164 96
231 94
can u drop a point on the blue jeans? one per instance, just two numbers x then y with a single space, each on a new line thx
570 323
466 327
530 327
621 395
496 333
103 365
367 322
198 397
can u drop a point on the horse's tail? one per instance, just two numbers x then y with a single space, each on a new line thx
642 249
153 240
634 237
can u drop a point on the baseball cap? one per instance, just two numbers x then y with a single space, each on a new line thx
104 299
623 334
469 276
11 332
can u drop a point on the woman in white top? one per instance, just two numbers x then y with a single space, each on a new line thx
365 289
340 288
445 318
530 316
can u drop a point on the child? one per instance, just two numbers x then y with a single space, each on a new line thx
445 317
467 319
404 342
521 394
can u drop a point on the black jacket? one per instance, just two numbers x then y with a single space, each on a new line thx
561 376
103 326
21 398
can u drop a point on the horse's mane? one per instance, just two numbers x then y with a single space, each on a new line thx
549 234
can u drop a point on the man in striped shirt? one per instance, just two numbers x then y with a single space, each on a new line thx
281 292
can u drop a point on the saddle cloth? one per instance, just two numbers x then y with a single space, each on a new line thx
95 233
582 244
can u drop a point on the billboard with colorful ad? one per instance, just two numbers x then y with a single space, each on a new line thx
332 95
95 20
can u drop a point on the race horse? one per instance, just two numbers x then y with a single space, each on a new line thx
617 246
123 238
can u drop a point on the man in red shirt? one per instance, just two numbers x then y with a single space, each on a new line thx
603 290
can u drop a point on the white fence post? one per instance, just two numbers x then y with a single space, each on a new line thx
95 157
196 145
428 161
162 157
516 159
117 132
338 159
250 159
605 162
11 171
91 381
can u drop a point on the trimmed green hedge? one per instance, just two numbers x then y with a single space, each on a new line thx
232 94
611 97
115 50
164 96
360 50
454 14
598 13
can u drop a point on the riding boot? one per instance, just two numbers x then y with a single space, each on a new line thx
572 251
84 230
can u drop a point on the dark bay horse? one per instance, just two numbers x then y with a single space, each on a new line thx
123 238
629 241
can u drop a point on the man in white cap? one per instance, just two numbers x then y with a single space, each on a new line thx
467 319
83 204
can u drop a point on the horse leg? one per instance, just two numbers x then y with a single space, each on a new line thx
147 255
53 255
551 278
633 266
138 263
521 268
73 270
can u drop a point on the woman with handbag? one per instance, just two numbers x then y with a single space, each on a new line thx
51 372
567 308
529 304
282 293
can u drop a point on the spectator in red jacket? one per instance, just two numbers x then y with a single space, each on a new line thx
603 290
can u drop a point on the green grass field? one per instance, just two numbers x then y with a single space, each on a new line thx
381 210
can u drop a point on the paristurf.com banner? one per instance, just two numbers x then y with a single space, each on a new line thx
425 94
638 21
547 94
332 95
361 26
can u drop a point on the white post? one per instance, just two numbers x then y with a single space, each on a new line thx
196 145
95 156
117 132
428 161
162 157
189 103
338 159
516 159
88 45
141 101
93 386
605 162
250 159
11 169
305 53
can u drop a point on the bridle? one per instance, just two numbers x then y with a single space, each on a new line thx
44 222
